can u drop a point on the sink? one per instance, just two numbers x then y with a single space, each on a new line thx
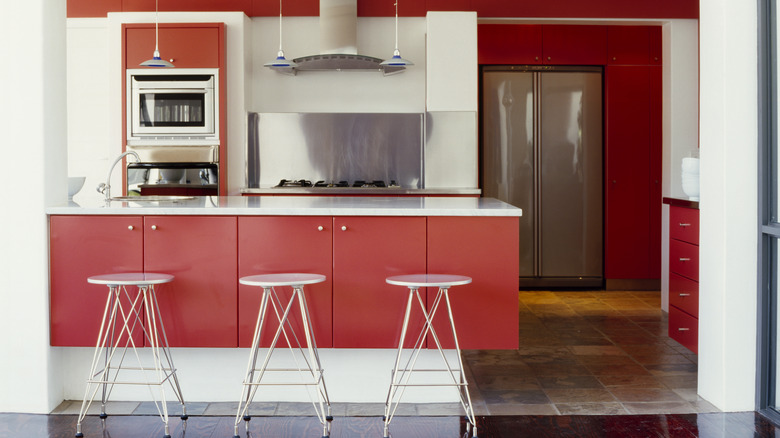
151 198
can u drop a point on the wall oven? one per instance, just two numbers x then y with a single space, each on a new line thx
167 105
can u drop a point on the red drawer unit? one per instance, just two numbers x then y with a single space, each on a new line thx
684 276
684 294
684 259
684 329
684 224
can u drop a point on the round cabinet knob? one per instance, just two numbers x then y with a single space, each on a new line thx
154 227
343 228
130 227
320 228
549 58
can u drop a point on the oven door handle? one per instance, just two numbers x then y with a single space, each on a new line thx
172 91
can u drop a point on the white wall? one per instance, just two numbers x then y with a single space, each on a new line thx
728 242
334 91
33 122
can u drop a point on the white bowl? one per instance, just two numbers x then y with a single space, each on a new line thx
75 183
690 165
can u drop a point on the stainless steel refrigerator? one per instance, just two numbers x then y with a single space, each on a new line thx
542 151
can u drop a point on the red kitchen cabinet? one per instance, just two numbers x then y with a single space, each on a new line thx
199 307
628 176
485 311
509 44
628 45
189 45
274 244
684 276
80 247
368 312
574 45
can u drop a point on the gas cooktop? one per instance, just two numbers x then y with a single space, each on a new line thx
303 183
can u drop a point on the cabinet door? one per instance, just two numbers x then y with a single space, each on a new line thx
684 329
189 45
509 43
684 294
628 172
368 312
272 245
80 247
486 249
574 45
628 45
199 306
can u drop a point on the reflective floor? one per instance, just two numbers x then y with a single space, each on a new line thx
712 425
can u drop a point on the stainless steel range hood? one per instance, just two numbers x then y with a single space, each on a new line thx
338 43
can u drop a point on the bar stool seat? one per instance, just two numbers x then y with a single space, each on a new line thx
124 314
311 371
402 374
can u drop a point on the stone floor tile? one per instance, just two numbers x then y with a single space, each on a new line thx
558 396
591 408
522 409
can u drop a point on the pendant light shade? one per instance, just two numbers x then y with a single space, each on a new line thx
156 61
280 61
396 60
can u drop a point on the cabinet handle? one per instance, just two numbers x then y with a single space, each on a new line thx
685 259
549 58
536 58
683 329
343 228
614 58
154 227
130 227
685 295
684 225
320 228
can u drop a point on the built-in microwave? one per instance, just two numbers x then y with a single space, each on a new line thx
172 104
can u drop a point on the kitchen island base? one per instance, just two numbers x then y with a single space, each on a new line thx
214 374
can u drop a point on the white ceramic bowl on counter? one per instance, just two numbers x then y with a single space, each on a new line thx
75 183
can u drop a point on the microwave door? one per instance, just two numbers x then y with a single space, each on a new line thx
173 112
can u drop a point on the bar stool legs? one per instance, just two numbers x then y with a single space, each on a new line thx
402 372
310 371
119 323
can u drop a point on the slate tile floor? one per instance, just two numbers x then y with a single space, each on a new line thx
581 353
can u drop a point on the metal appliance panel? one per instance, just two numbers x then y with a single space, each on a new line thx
508 151
542 151
450 149
335 146
571 174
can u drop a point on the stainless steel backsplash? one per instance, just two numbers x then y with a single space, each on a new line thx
335 147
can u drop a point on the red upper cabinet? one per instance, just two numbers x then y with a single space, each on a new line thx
187 45
509 44
199 306
574 45
383 8
368 312
273 245
628 45
83 246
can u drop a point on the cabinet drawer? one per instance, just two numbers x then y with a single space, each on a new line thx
684 259
684 329
684 224
684 294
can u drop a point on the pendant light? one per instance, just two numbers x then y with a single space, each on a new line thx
280 61
396 60
156 61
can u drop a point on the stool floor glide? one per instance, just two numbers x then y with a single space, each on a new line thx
125 314
311 373
402 373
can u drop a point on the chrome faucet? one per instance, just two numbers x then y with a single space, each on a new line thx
105 187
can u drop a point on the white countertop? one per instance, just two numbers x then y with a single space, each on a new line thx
297 206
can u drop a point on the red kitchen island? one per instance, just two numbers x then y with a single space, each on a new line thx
207 243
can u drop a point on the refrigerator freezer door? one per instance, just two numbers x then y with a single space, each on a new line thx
508 150
570 204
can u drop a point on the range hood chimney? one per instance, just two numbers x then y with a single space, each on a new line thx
338 43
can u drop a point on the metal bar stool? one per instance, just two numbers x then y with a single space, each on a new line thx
401 374
311 374
138 312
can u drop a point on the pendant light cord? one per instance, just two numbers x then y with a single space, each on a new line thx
156 31
396 25
280 25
